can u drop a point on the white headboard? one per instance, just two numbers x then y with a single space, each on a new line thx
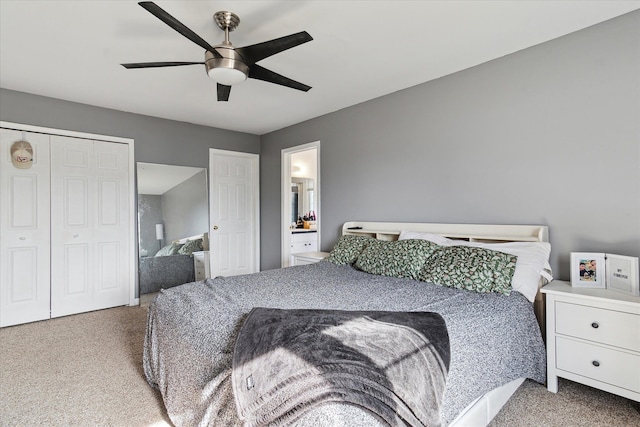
471 232
203 236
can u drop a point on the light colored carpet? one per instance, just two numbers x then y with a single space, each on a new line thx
81 370
86 370
575 405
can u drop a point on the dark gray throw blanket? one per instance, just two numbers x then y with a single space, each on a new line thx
394 364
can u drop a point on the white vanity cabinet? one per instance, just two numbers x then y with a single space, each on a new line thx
593 337
201 265
303 241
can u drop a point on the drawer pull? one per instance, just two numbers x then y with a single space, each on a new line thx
595 363
595 325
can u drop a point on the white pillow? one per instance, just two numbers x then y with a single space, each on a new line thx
533 259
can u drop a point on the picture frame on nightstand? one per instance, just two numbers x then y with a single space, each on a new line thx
588 270
622 274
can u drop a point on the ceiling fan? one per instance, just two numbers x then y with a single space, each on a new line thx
224 63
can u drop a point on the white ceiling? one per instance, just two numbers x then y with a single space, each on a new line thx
361 50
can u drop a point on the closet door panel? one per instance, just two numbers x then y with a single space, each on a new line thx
76 275
76 202
111 229
24 232
72 202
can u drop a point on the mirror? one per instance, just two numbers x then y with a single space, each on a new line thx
302 198
303 178
172 205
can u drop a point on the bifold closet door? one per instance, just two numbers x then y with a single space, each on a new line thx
24 231
90 231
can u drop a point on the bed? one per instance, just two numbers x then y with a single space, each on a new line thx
494 339
172 266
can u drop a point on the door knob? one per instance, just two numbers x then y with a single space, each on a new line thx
215 227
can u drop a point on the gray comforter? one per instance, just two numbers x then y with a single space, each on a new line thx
191 331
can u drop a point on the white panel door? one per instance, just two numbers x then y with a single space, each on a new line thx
111 231
89 233
24 232
233 210
72 204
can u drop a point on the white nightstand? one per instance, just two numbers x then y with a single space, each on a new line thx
308 257
593 337
201 265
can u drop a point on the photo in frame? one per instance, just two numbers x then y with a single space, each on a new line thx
622 274
588 270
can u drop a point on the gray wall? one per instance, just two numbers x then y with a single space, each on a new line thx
548 135
149 214
156 140
185 208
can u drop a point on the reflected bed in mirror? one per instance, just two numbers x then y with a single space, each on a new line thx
172 206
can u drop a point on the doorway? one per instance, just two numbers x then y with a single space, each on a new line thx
300 211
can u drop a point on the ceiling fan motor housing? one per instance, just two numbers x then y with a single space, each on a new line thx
228 70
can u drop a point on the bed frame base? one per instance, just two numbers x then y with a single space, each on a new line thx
481 411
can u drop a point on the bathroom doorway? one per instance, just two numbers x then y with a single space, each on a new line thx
300 210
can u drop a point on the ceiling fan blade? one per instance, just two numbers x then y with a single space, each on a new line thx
223 92
158 64
257 52
161 14
261 73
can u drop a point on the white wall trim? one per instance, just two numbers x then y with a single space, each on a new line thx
133 246
285 197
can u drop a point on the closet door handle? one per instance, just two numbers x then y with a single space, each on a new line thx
595 363
22 238
595 325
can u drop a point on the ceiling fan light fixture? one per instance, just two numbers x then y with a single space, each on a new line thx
226 70
227 76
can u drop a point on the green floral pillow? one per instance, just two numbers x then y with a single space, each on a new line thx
348 248
170 249
190 247
401 258
466 267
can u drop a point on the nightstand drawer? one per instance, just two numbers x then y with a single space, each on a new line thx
201 265
614 367
598 325
198 262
